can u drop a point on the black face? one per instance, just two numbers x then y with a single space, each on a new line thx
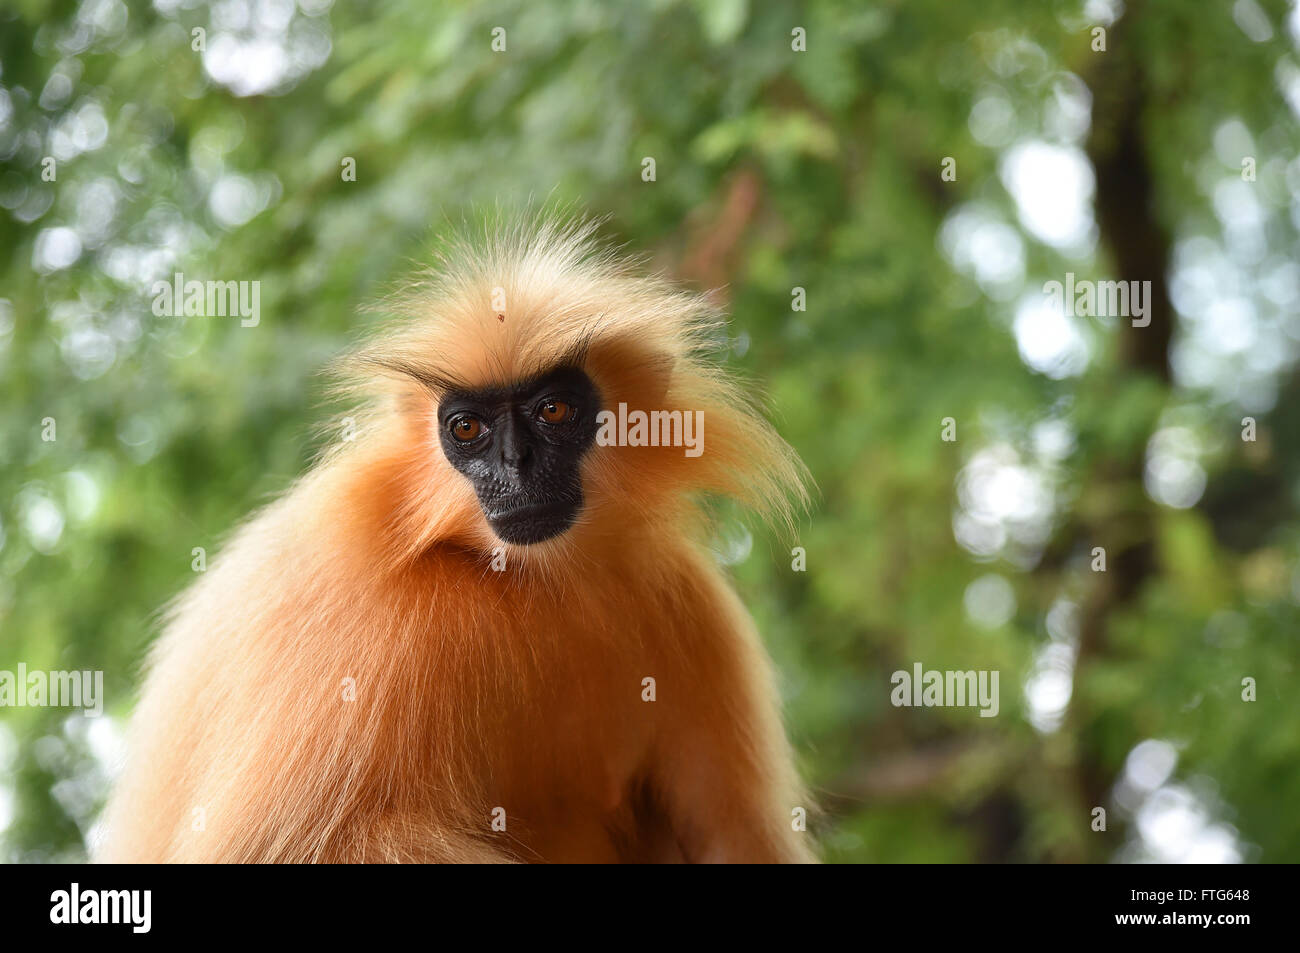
520 447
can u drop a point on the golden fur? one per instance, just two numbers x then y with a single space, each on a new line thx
476 689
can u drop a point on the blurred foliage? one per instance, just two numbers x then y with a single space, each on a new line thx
776 169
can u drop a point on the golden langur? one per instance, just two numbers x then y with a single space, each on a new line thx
482 630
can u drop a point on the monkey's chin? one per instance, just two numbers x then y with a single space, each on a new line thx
532 524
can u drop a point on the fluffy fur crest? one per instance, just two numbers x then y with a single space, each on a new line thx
536 293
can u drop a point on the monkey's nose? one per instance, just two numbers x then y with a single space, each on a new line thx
515 451
513 468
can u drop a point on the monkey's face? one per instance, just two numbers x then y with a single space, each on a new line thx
520 447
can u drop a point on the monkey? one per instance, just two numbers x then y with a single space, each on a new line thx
477 632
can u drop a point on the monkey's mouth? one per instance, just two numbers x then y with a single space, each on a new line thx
524 525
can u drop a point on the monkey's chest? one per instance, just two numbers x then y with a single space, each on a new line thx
565 762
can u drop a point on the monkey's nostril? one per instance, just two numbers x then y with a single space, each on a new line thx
515 459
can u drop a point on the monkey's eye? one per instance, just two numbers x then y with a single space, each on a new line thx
555 411
466 428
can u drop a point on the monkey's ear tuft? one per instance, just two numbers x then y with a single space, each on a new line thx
760 470
743 456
